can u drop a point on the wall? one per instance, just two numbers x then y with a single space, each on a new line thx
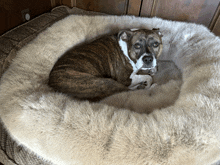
206 12
11 11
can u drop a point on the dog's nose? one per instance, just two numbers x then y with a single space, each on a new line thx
147 59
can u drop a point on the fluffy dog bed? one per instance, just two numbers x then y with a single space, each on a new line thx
64 131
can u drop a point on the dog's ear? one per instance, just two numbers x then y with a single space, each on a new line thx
157 30
124 35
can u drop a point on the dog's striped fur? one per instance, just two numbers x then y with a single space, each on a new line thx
98 69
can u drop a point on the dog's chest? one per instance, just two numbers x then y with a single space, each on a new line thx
113 59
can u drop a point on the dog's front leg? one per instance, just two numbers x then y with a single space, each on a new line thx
140 81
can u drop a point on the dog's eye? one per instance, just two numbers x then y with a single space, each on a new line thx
137 46
156 44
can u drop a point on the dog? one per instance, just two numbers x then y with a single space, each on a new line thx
108 65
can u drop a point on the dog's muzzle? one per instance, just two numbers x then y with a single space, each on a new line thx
148 61
148 65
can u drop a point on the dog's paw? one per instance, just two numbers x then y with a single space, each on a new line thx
140 81
141 86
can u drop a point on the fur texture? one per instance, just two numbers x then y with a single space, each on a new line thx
163 92
69 132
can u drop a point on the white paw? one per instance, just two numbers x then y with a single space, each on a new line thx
140 80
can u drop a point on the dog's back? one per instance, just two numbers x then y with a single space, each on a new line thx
91 71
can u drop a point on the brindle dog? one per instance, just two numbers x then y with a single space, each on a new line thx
107 65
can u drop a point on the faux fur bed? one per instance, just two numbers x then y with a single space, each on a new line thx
65 131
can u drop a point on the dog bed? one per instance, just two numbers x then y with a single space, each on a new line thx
60 130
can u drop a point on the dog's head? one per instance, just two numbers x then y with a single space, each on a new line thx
142 47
